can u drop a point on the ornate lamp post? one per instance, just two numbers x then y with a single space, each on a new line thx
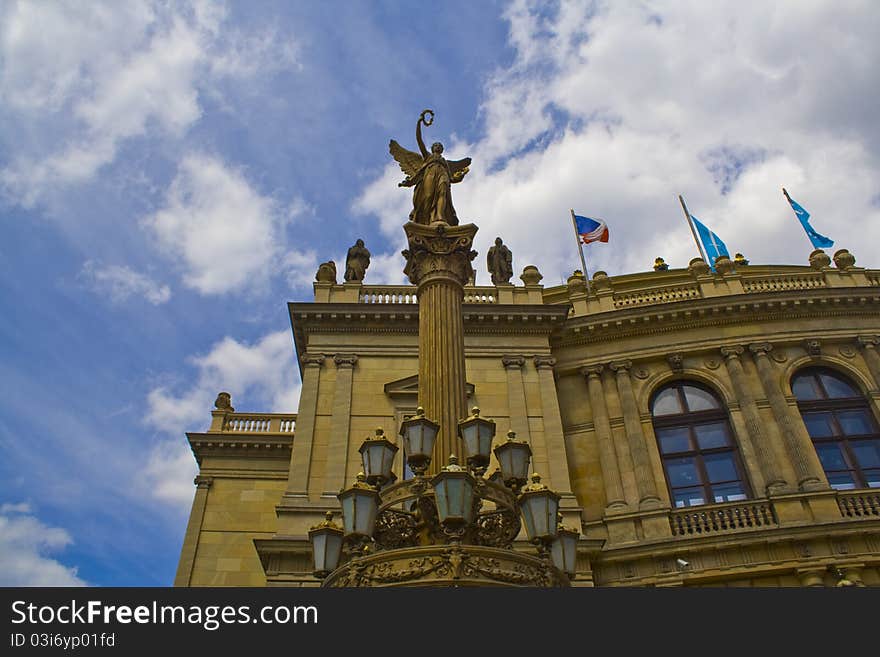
326 540
454 494
539 506
513 458
378 457
360 502
419 435
477 433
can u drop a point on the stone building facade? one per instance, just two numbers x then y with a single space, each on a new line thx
703 428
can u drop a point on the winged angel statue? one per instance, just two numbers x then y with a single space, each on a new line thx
431 174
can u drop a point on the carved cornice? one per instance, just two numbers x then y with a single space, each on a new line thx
275 446
545 362
513 362
345 360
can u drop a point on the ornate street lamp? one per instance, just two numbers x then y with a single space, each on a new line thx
326 540
454 494
378 457
419 434
360 503
563 550
477 434
513 458
538 506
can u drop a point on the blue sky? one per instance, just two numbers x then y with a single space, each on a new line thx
172 173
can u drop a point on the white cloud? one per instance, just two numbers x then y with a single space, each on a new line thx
25 543
263 374
227 236
98 74
120 283
614 109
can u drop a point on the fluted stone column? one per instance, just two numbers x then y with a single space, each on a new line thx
338 445
193 531
635 437
516 396
438 262
607 456
767 461
869 345
799 448
301 451
554 439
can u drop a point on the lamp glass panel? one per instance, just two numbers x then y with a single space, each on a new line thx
365 514
348 514
319 550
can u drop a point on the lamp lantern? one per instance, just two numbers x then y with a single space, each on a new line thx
326 540
454 495
360 504
378 457
513 458
563 550
477 433
538 506
419 434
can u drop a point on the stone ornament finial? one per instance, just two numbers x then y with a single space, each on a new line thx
843 259
224 402
531 276
819 259
356 262
699 267
601 280
724 265
326 272
740 260
577 282
660 264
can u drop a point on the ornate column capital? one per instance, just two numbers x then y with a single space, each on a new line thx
312 360
203 481
760 348
513 362
439 252
732 351
620 366
545 362
869 341
345 360
590 371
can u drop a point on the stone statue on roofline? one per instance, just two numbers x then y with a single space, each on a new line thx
356 262
431 175
499 262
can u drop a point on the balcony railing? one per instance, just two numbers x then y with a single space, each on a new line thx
863 504
658 295
784 282
721 518
252 423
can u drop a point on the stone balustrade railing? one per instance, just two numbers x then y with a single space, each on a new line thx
784 282
722 518
861 504
257 423
666 294
407 294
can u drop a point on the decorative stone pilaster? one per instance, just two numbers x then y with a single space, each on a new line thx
338 447
869 345
647 487
516 399
438 262
607 456
554 439
183 577
767 461
799 447
301 451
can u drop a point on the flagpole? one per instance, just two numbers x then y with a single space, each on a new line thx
687 216
580 244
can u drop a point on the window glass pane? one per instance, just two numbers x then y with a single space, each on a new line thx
682 472
688 497
667 403
854 423
873 478
676 439
867 453
818 424
841 481
720 467
831 456
805 389
728 492
837 388
699 400
712 435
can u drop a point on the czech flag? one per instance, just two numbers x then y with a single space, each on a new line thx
591 230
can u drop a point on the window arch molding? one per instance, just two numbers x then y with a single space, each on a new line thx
707 379
698 448
844 368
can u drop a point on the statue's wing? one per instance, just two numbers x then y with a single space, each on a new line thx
459 166
409 161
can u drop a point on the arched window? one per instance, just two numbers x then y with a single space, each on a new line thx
842 427
696 444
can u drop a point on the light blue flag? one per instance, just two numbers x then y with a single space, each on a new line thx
712 244
818 241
